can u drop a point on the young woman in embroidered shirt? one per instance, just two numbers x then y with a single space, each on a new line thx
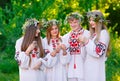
96 47
56 70
29 53
75 48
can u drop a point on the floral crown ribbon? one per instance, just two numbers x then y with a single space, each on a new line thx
75 15
97 16
50 23
29 22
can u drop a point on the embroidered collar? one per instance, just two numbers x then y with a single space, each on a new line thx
75 45
54 43
78 31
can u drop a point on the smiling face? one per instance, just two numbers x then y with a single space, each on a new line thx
92 22
54 31
74 24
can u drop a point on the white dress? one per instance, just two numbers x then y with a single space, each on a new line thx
76 51
95 58
56 69
26 71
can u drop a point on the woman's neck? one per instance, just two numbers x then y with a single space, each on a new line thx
53 37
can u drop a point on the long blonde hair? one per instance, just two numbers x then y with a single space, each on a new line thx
100 23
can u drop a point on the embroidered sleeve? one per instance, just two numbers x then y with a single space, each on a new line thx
100 48
102 44
22 59
20 56
17 58
17 52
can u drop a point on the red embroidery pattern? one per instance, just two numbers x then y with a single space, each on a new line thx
55 42
34 53
75 45
100 48
46 51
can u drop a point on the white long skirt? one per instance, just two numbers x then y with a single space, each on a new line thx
94 69
31 75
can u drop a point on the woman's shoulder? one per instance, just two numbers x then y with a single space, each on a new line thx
20 39
86 33
104 32
19 42
45 39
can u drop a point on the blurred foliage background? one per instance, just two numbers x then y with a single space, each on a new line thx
13 14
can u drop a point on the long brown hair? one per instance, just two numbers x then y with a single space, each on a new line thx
49 28
29 37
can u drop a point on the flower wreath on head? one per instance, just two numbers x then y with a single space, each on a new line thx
96 17
29 22
50 23
75 15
